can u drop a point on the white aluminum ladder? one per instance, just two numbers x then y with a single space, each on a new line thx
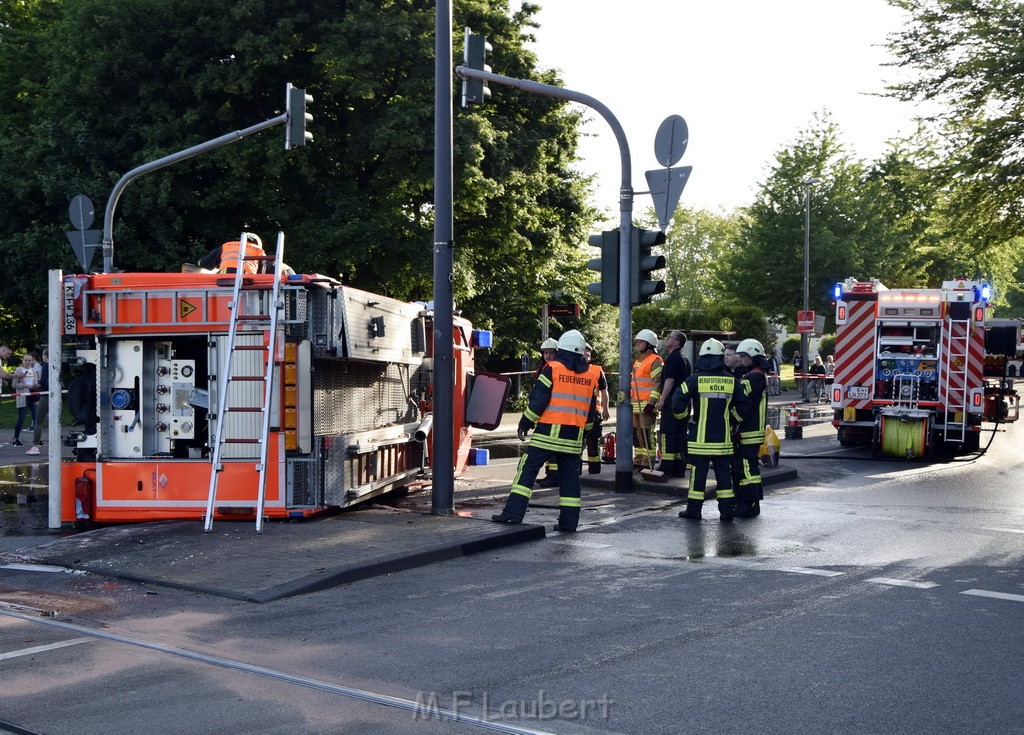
224 377
955 369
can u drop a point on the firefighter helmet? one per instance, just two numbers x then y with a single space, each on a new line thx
647 336
549 344
750 347
712 347
572 341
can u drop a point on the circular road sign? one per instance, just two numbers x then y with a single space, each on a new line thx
670 140
81 212
725 325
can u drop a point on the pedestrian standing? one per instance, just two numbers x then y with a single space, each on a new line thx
593 438
711 400
43 402
751 372
729 357
644 392
672 430
24 382
562 407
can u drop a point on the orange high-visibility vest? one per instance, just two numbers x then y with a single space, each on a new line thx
598 372
229 257
642 383
571 394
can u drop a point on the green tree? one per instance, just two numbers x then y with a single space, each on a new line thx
966 57
696 241
94 88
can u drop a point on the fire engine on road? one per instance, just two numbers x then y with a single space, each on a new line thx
919 370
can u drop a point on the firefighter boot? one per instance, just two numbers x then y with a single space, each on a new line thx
594 468
549 480
515 509
726 507
692 510
568 520
744 507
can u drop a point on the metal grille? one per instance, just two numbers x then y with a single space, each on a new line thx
359 396
303 488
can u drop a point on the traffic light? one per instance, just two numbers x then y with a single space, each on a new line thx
295 133
475 91
607 265
643 263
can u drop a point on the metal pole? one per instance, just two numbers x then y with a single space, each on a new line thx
443 467
807 279
624 413
53 450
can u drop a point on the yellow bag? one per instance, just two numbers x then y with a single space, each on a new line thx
769 451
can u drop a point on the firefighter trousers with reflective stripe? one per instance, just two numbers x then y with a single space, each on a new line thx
747 474
593 442
673 444
568 484
699 465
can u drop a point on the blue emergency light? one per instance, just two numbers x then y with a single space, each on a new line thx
482 337
837 291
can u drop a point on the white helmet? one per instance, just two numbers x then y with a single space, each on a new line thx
549 344
712 347
750 347
647 336
572 341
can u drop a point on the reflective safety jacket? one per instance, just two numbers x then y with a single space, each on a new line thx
645 381
229 257
754 385
712 401
563 404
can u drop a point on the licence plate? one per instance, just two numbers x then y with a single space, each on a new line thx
859 392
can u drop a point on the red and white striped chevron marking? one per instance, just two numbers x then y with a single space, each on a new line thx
855 352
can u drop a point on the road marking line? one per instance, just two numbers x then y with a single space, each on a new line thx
903 583
809 570
41 649
1004 530
35 568
996 595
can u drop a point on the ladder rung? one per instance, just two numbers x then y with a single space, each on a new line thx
244 409
241 441
250 347
247 378
253 318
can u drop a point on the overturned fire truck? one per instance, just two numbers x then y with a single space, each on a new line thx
919 370
250 395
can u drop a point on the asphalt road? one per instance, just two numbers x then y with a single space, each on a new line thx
869 597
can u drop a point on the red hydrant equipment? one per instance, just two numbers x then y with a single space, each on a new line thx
608 450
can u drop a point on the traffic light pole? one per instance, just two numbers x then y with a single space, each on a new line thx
624 414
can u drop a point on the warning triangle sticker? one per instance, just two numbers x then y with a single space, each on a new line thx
185 308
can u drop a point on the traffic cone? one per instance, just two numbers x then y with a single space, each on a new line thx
793 429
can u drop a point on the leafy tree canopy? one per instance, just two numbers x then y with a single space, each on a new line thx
91 89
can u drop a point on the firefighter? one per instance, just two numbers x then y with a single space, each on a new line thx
593 437
562 406
672 431
712 401
644 392
548 349
752 371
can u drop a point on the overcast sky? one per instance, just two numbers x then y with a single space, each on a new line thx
747 75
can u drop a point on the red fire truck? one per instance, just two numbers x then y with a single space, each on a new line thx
913 374
249 395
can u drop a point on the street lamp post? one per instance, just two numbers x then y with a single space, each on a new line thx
807 277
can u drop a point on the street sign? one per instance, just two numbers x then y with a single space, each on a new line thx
81 212
670 140
84 243
805 322
666 185
564 310
725 325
